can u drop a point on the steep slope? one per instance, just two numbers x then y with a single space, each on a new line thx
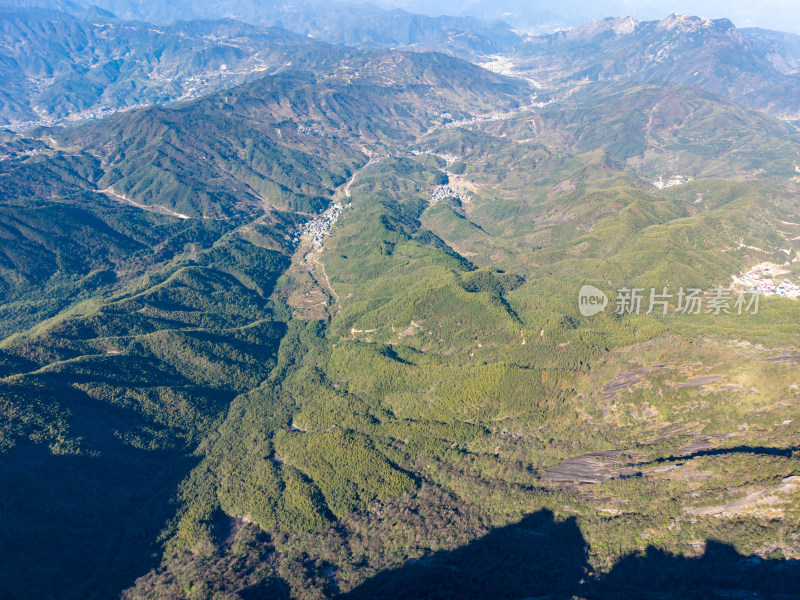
664 130
104 407
456 354
130 329
782 49
286 142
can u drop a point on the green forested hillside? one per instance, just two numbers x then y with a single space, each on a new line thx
287 140
319 335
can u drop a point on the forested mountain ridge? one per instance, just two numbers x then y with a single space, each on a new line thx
295 137
318 335
56 65
89 64
129 327
86 63
337 22
285 142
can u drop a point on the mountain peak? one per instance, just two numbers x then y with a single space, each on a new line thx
624 25
619 25
684 23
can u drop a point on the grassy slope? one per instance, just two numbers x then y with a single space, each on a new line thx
344 441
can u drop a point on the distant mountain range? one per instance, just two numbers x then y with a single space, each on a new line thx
336 22
84 65
756 68
543 16
55 65
89 63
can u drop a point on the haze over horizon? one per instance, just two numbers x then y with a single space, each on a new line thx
542 17
780 15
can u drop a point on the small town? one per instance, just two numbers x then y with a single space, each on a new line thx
100 112
762 282
320 227
448 158
675 180
312 130
445 191
33 152
473 120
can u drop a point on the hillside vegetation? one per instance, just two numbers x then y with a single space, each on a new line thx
203 396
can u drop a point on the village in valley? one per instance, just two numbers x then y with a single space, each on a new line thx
441 192
767 280
672 182
473 120
320 228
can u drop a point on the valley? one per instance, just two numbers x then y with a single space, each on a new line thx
317 333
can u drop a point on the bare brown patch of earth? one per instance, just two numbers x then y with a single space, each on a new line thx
627 380
758 502
594 467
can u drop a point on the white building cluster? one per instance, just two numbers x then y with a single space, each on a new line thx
320 228
445 191
448 158
675 180
765 285
473 120
100 112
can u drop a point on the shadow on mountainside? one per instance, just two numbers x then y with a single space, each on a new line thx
755 450
538 556
541 558
83 526
721 572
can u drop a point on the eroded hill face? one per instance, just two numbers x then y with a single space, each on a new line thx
321 334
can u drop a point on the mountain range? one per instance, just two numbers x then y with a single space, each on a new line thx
751 67
310 326
87 65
